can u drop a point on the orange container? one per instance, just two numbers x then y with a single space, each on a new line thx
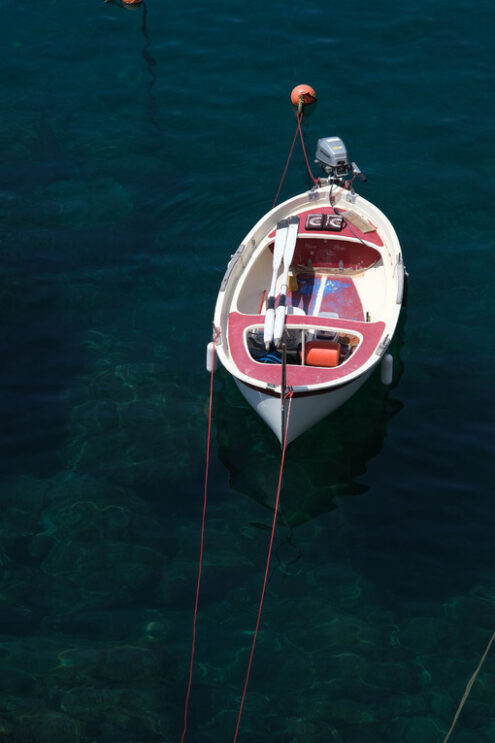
322 353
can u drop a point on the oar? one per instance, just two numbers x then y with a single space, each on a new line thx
290 246
278 253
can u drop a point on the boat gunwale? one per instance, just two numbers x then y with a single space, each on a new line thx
257 239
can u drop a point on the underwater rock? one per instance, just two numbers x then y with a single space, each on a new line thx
342 633
478 716
132 663
21 502
124 714
6 728
393 677
407 705
76 665
67 485
423 635
422 729
466 611
49 727
119 624
17 621
97 575
89 702
95 518
93 417
301 730
40 545
350 712
342 673
16 682
124 663
442 706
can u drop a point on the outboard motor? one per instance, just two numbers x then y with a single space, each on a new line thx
331 154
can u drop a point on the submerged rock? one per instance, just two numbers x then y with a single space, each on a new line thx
422 729
48 728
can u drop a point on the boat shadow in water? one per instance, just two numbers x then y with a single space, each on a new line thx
322 464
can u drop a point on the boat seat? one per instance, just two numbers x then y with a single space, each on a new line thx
298 376
333 315
295 311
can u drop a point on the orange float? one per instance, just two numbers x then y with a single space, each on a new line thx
303 95
322 353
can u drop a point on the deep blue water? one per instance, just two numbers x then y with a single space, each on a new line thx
137 147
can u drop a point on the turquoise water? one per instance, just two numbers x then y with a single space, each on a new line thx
137 149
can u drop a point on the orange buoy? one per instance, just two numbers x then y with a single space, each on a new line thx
132 2
322 353
303 95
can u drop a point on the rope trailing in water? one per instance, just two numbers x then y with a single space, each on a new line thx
275 512
468 688
203 519
150 64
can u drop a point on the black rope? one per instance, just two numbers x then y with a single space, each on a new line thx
341 215
150 61
150 64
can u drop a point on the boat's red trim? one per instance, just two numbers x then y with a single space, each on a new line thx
298 376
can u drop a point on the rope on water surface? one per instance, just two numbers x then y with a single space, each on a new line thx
275 512
200 565
469 687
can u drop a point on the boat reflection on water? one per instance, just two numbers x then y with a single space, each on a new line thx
321 465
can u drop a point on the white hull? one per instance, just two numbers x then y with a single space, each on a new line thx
305 411
356 284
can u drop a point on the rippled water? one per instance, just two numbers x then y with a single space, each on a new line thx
137 148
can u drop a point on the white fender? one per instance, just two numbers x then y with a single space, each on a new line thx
211 357
387 369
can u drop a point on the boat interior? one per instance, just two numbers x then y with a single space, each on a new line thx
333 277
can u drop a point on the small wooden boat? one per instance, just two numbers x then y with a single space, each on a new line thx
310 301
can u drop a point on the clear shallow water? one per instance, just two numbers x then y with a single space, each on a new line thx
134 160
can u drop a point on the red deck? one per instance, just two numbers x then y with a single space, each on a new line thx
300 375
313 249
372 237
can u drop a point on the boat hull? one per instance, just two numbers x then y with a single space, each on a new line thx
306 409
348 289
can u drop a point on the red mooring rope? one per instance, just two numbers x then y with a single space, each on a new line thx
203 519
275 512
299 118
315 180
298 131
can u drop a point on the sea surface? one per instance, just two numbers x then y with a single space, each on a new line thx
137 148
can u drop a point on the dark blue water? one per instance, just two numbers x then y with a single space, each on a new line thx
137 148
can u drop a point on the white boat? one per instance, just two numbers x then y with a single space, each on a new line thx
310 301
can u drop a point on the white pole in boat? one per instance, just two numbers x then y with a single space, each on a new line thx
278 253
290 246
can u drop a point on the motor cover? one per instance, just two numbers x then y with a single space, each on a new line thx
331 154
